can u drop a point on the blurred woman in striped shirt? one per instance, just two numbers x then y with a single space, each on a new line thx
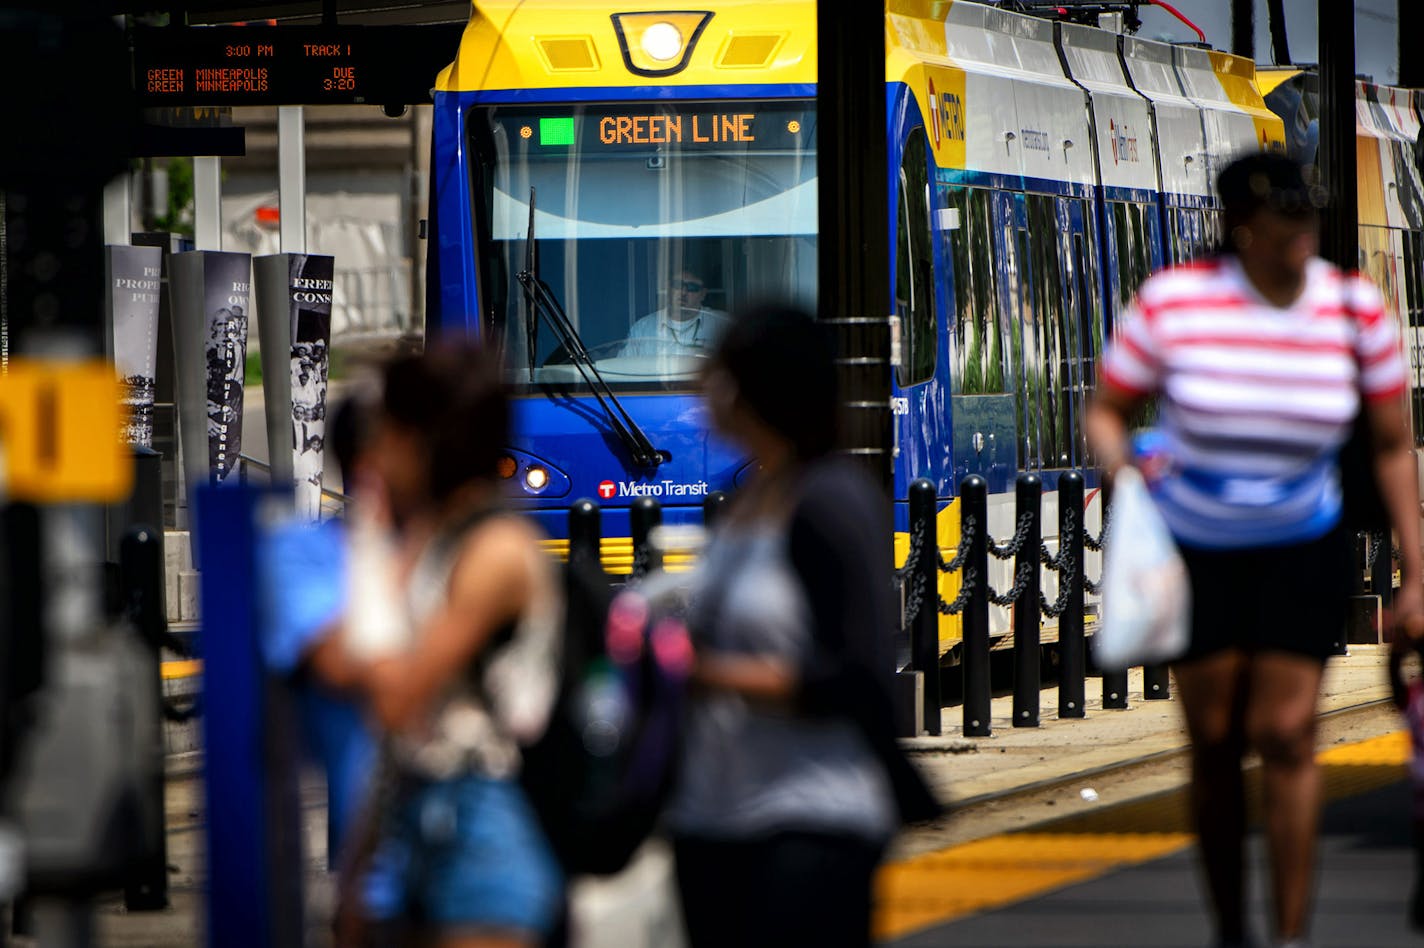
1260 358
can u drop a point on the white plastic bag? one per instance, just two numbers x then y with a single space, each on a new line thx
1146 592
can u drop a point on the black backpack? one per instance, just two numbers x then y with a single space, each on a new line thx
599 776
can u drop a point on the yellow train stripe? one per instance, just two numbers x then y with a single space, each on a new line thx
185 668
616 554
987 874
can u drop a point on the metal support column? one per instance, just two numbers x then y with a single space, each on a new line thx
207 203
1280 42
1340 231
853 206
292 178
1243 28
1410 28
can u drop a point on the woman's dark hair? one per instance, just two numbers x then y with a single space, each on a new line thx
782 361
1264 181
454 400
348 432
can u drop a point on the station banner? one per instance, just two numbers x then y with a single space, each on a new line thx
294 325
212 301
134 278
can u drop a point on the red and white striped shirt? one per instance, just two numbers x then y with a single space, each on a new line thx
1255 399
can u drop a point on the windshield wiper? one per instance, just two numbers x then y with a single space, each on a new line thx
543 302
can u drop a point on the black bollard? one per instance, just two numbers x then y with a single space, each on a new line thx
924 575
713 508
141 579
974 519
585 533
1027 681
645 514
22 622
1115 690
1382 574
1114 682
1156 683
1360 556
1071 647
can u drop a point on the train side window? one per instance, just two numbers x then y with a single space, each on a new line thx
1134 250
1023 338
979 341
914 266
1087 340
1412 320
1122 243
1213 235
1049 360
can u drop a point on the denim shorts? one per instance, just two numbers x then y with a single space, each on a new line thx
465 853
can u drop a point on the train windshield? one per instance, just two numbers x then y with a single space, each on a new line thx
651 222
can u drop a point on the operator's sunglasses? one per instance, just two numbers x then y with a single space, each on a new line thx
689 286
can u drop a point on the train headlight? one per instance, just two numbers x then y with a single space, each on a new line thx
536 478
662 42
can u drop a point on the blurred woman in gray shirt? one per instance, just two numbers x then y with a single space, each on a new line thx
792 784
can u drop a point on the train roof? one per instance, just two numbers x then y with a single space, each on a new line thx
514 45
1127 149
991 88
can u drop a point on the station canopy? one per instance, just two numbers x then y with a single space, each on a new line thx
298 12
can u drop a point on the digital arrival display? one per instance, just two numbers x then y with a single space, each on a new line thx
290 65
693 127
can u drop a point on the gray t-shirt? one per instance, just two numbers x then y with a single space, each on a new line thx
751 769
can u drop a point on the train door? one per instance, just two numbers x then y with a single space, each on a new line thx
1411 319
1081 330
1015 298
1134 250
920 418
982 404
1054 328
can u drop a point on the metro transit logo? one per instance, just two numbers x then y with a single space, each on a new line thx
607 490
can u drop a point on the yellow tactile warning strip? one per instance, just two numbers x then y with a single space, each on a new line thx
991 873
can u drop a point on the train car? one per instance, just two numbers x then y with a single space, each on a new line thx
1081 160
1390 195
593 166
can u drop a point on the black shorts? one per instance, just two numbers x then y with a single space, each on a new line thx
1281 598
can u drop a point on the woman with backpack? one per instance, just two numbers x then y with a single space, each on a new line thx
791 782
464 857
1261 357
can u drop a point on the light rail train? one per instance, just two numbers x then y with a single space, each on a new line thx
596 165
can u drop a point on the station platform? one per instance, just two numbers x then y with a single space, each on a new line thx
1025 850
1124 875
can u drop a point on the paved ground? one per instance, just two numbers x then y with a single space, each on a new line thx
1037 767
1013 781
1364 884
